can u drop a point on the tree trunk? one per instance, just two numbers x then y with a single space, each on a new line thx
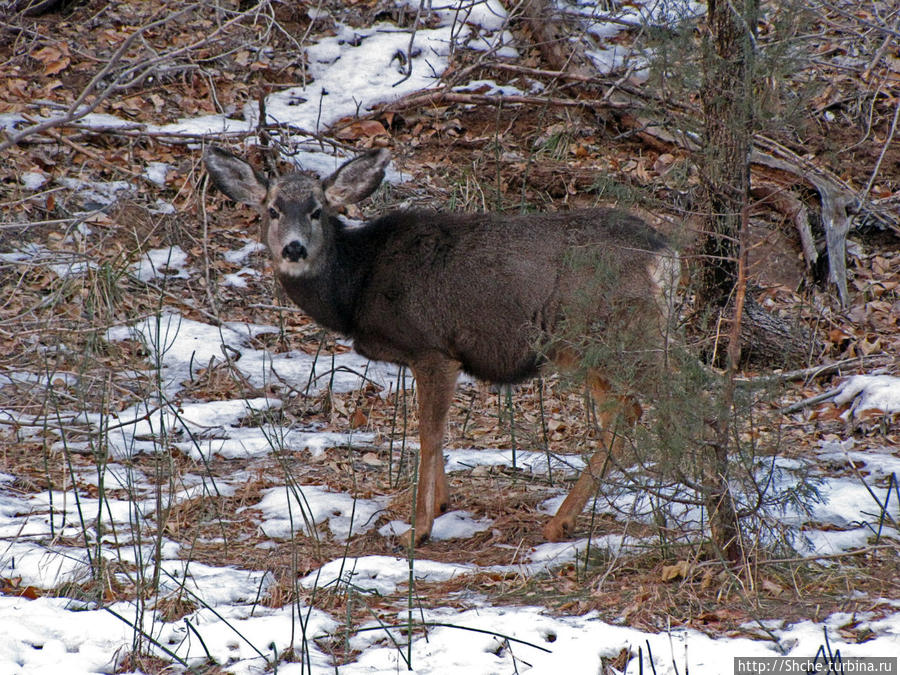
728 119
728 122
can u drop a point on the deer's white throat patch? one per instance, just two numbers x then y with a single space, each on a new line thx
294 270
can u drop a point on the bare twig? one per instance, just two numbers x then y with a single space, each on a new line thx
409 48
811 401
835 218
820 370
131 76
438 96
887 144
892 546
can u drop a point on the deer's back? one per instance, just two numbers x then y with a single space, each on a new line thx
486 290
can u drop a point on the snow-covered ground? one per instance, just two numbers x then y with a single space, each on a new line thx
56 635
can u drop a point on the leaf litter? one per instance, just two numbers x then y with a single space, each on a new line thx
252 455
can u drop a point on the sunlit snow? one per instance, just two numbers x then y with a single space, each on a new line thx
351 71
162 262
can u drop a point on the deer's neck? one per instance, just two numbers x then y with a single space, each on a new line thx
329 294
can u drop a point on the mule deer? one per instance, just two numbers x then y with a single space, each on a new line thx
492 295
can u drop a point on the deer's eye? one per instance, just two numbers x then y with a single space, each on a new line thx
316 214
273 213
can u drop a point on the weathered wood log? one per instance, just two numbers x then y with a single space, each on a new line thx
775 342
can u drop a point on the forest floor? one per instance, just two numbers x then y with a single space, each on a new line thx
148 357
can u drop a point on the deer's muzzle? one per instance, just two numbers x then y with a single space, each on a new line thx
294 252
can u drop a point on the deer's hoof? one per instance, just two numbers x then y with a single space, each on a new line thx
405 539
558 529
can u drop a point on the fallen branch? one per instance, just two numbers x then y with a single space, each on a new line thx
835 195
822 370
552 74
439 96
793 208
811 401
835 219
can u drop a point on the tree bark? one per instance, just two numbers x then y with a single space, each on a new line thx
726 149
770 341
728 121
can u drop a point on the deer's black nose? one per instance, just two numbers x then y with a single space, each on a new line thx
295 251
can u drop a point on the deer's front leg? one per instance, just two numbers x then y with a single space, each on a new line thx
435 382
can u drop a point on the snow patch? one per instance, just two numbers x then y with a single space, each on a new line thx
287 510
450 525
156 172
380 574
32 180
161 262
241 255
870 392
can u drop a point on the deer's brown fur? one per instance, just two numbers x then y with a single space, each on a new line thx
493 295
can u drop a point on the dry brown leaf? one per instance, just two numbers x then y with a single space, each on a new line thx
663 162
361 129
580 151
681 569
55 59
17 87
14 587
868 348
556 425
481 471
878 305
837 336
772 587
371 459
337 405
724 614
358 419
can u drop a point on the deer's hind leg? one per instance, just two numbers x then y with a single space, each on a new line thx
435 382
613 410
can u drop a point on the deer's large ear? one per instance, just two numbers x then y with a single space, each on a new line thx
357 179
235 177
